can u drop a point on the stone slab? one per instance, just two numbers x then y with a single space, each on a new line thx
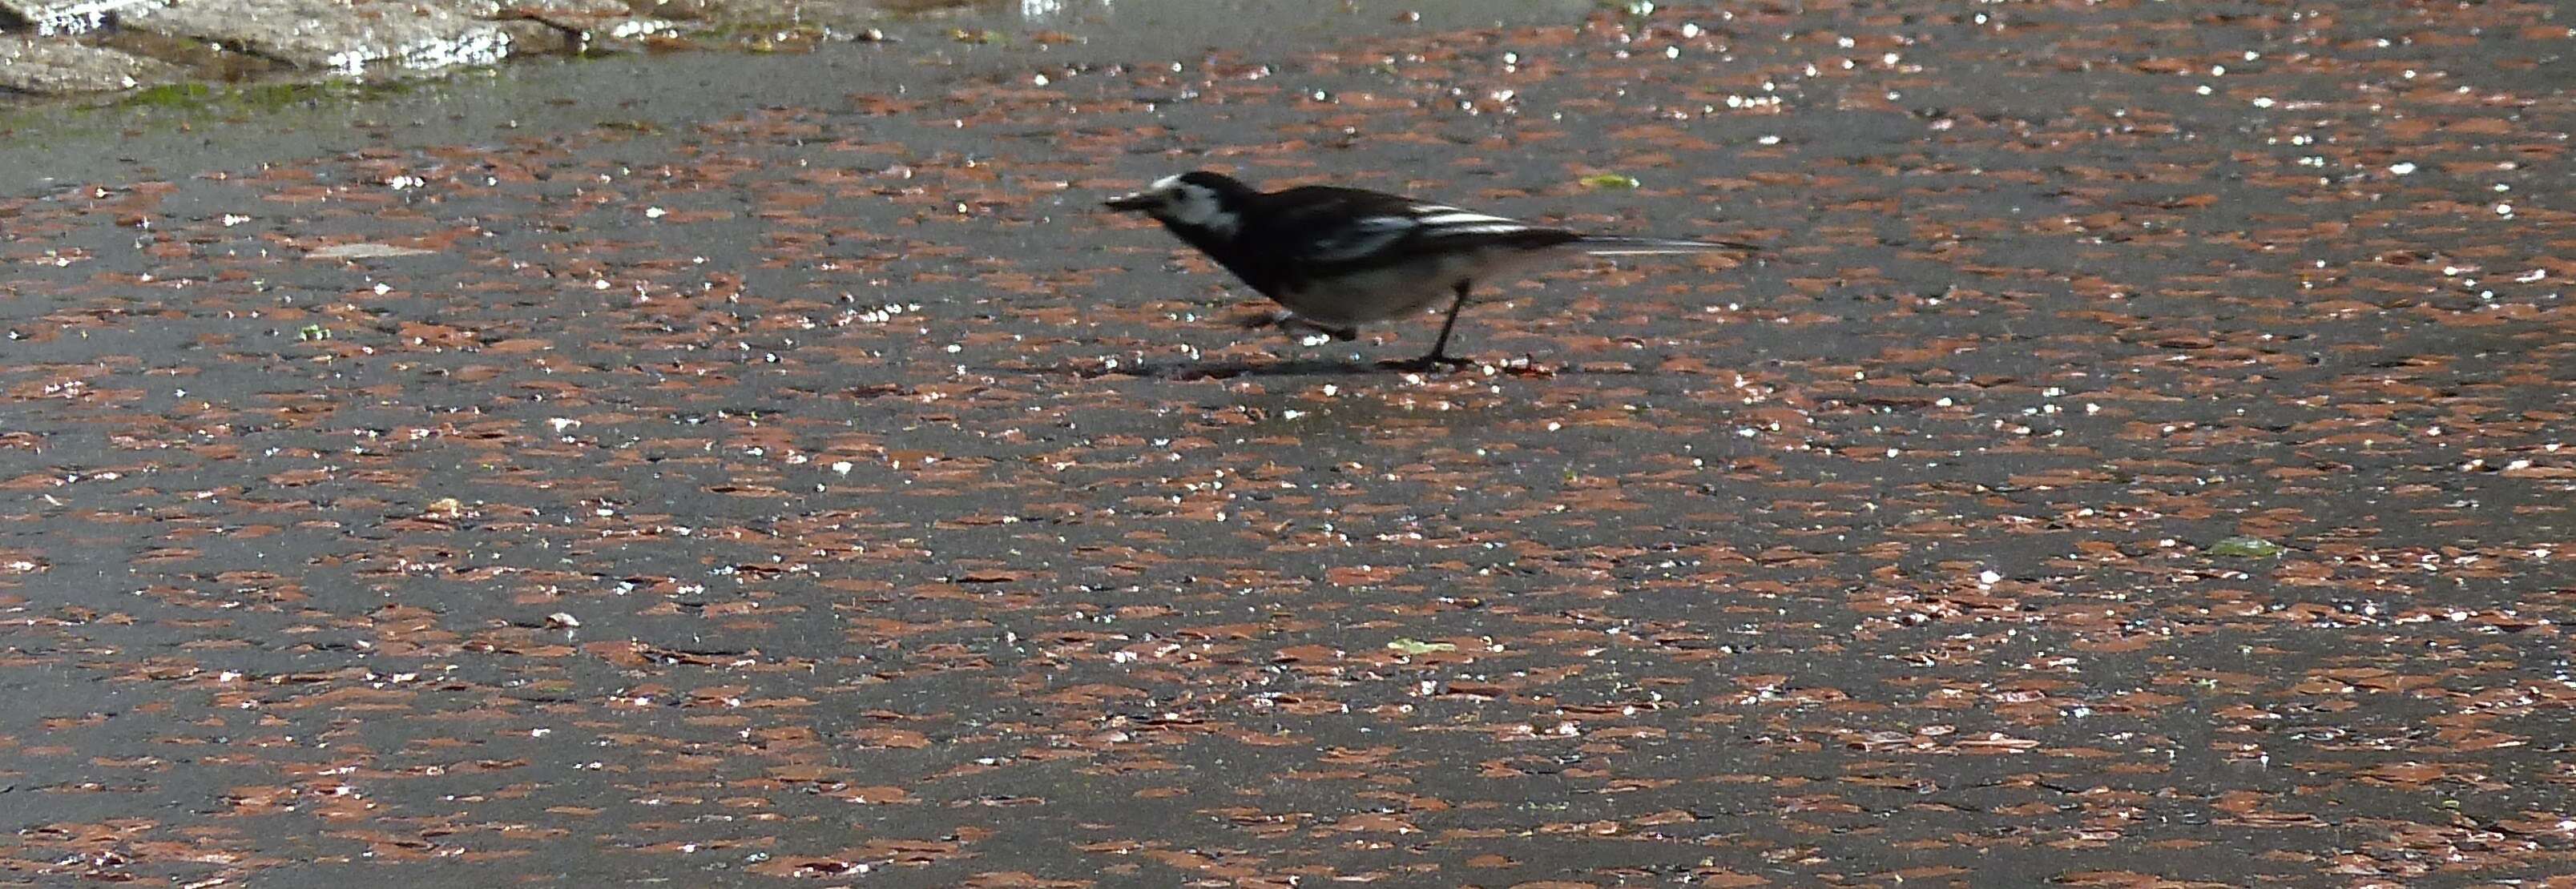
49 17
57 66
333 35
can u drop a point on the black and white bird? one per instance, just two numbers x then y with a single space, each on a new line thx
1337 258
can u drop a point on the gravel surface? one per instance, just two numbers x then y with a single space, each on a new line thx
2144 460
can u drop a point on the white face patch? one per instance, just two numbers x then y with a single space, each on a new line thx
1182 203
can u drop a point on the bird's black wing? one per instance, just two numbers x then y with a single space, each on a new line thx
1323 230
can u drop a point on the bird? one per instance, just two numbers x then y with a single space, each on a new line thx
1335 258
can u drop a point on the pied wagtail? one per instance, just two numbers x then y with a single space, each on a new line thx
1337 258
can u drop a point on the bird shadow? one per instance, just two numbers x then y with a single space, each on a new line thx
1222 370
1303 367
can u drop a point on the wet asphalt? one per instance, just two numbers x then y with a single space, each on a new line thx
2143 459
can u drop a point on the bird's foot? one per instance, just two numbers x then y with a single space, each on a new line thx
1428 363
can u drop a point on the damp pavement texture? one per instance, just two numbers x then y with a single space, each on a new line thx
2143 461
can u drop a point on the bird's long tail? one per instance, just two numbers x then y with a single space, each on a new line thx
1616 246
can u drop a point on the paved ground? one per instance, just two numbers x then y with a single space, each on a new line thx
2146 461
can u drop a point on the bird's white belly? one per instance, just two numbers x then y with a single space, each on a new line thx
1385 294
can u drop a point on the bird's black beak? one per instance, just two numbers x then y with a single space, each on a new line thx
1129 203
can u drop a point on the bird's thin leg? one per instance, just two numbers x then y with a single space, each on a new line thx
1439 356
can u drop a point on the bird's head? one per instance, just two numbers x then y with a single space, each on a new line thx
1197 199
